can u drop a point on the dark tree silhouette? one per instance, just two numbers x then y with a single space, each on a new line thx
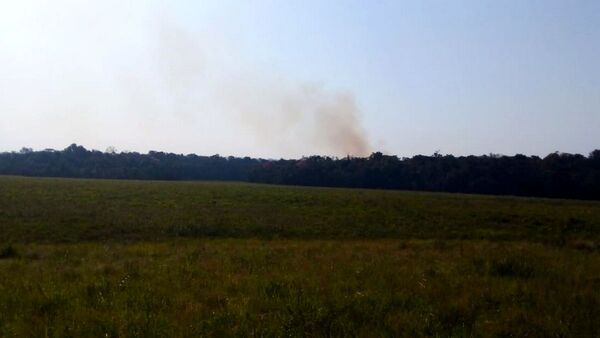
556 175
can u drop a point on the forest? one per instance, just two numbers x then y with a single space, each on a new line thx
557 175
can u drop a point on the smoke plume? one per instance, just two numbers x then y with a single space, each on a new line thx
121 76
296 117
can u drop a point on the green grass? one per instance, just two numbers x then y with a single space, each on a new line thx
92 258
67 210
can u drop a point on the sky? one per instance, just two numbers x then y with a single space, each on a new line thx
295 78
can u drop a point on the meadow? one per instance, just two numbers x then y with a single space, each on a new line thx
106 258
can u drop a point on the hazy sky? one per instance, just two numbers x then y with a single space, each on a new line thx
292 78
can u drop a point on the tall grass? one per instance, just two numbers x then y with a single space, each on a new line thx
87 258
299 288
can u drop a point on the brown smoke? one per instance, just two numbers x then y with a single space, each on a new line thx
339 126
114 74
293 118
278 113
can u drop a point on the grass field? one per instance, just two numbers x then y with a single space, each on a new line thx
154 259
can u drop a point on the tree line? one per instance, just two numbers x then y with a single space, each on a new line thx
558 175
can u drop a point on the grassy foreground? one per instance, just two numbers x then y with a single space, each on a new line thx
142 259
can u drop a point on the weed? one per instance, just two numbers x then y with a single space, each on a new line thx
513 267
8 252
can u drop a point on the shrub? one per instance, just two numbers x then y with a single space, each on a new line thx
581 244
512 267
8 252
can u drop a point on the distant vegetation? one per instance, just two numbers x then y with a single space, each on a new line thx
556 175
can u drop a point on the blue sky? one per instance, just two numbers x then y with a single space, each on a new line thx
462 77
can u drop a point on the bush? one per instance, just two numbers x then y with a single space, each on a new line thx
512 267
8 252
